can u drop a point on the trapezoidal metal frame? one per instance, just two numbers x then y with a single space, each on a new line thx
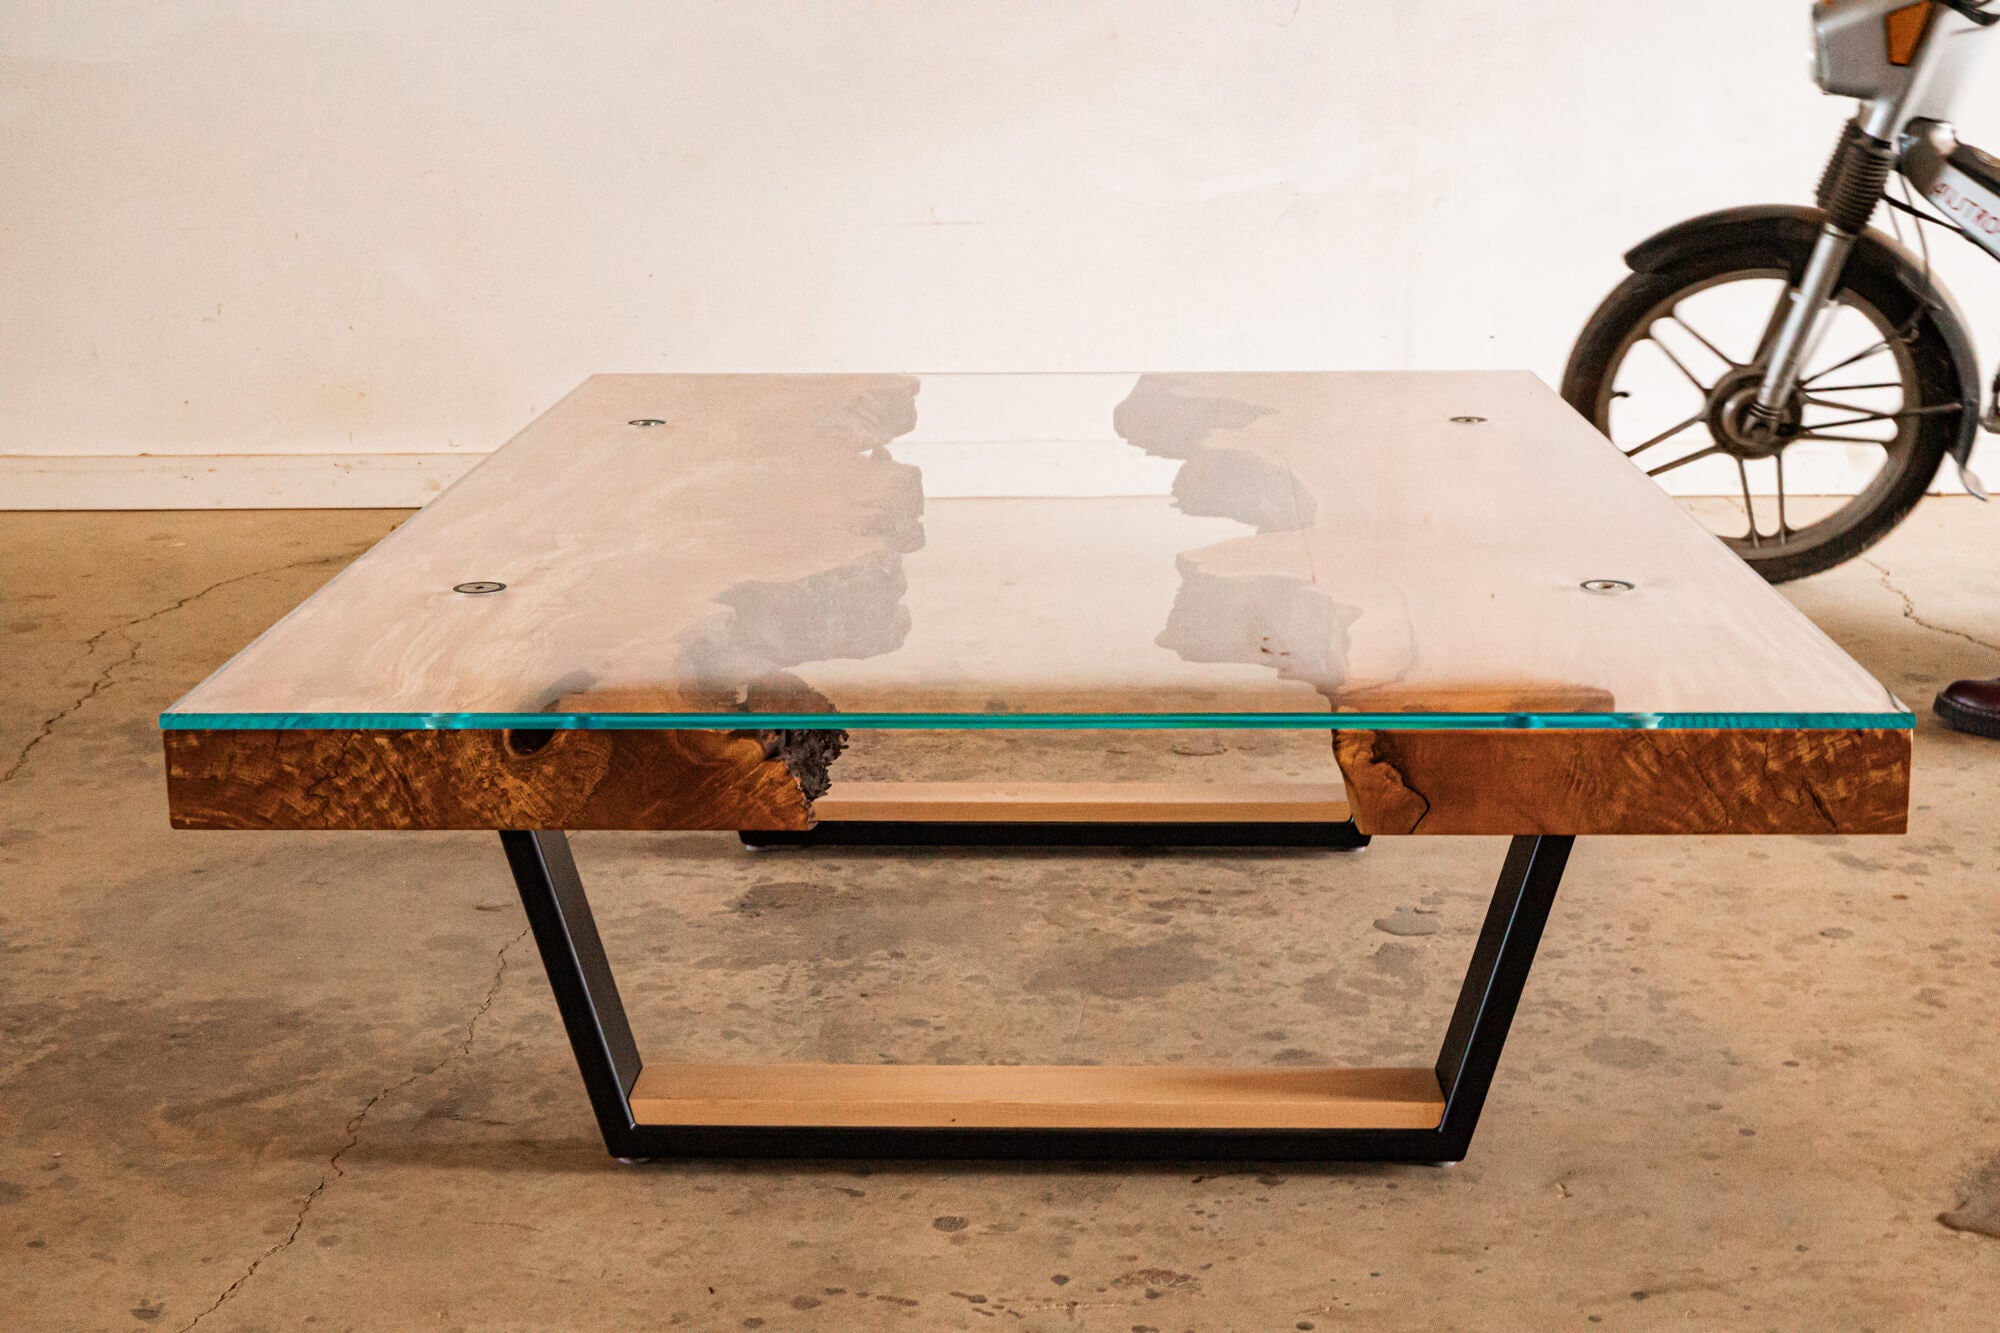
608 1055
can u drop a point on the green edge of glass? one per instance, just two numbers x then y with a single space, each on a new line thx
1902 720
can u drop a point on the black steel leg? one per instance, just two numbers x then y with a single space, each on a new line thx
595 1021
1493 983
580 975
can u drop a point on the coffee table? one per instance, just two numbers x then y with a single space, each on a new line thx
673 600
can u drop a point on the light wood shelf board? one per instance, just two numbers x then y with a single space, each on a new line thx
1083 802
1037 1096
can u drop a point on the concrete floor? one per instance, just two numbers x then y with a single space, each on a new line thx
252 1081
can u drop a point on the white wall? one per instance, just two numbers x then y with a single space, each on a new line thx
365 228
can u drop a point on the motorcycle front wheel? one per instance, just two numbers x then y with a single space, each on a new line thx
1665 366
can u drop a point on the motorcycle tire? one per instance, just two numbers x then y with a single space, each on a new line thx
1930 375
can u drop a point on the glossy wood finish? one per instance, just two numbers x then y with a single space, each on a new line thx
1423 544
1036 1097
1332 542
1426 782
489 780
689 564
1337 549
1627 782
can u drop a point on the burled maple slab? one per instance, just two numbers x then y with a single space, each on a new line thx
492 779
1627 781
1525 634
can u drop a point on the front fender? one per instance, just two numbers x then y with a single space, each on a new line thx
1797 228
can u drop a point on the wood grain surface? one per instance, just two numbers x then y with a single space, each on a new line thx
1424 782
760 524
713 547
1626 781
1084 802
1037 1096
1333 542
492 779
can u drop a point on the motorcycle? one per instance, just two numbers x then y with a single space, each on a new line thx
1754 337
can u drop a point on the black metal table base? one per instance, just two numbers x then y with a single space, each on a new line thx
594 1018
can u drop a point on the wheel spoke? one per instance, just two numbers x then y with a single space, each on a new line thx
1682 462
1841 388
1817 401
1844 439
1666 434
1784 530
1856 421
1749 505
1861 355
1868 414
1668 352
1695 333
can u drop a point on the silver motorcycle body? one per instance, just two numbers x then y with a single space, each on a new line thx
1768 397
1856 53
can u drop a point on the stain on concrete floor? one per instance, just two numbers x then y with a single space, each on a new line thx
255 1080
1978 1210
1408 921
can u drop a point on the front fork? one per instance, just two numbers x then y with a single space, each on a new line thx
1809 300
1849 189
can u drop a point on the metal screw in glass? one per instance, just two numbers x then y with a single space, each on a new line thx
1467 421
1605 586
645 421
478 587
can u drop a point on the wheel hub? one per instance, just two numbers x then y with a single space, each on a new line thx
1738 428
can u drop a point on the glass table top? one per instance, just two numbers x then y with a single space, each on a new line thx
1378 549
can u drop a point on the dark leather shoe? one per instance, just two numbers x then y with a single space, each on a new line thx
1971 705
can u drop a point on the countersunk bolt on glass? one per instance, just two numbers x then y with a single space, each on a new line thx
478 587
1605 585
1467 421
645 421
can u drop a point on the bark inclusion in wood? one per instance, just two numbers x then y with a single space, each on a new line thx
808 756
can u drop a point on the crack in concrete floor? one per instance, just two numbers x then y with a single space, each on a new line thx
1648 1186
104 681
334 1170
1911 614
97 687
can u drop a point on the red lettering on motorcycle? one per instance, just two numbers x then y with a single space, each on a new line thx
1954 202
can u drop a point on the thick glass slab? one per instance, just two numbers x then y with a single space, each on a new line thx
1375 550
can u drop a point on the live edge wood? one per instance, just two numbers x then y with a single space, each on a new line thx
1627 781
558 779
1446 782
1036 1097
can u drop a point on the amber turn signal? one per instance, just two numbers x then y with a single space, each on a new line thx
1905 29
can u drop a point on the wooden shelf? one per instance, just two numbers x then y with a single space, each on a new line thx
1036 1096
1083 803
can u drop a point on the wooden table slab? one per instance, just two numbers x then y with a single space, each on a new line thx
708 578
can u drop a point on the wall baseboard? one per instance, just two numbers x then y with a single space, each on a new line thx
227 481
